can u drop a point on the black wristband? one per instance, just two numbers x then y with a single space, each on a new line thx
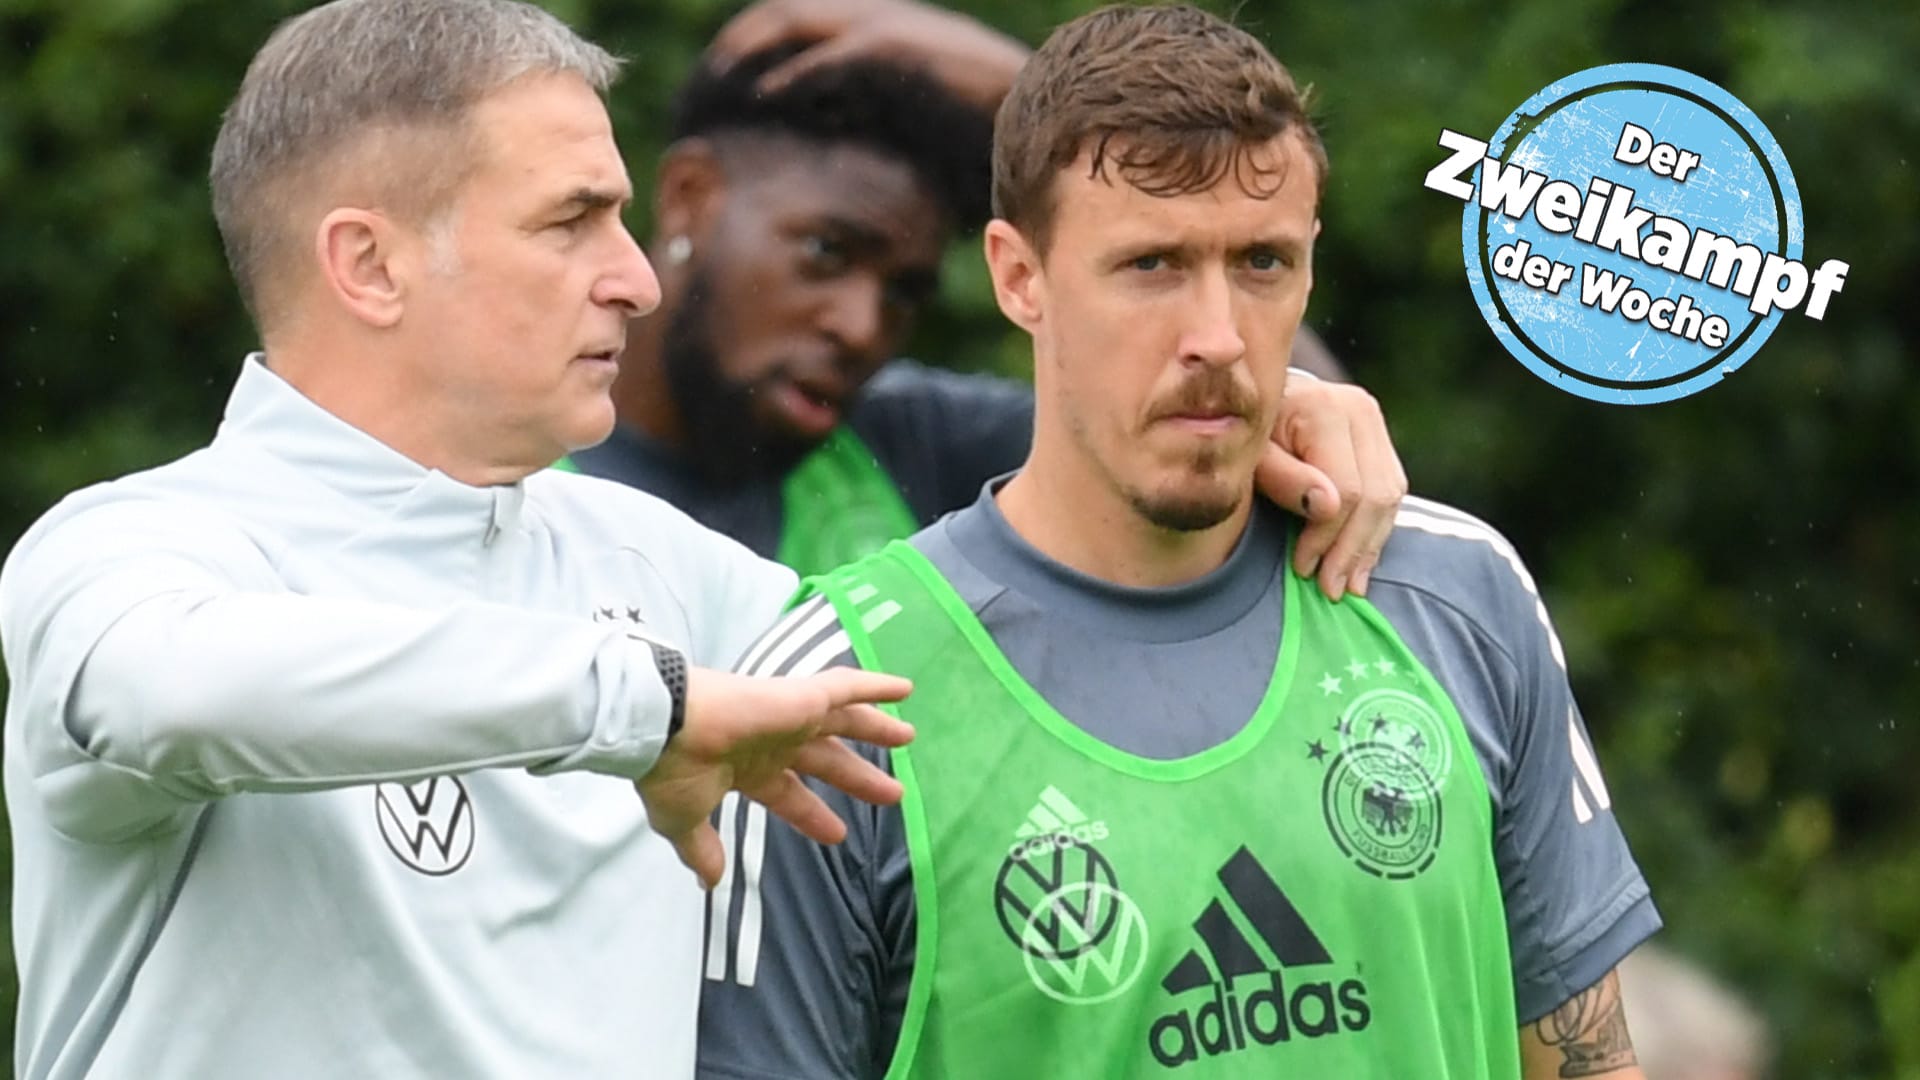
673 673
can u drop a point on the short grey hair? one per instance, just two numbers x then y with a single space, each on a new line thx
331 78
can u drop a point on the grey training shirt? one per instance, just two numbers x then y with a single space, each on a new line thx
810 948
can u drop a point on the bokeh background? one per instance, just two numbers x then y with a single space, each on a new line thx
1736 575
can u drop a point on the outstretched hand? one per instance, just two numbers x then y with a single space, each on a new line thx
1332 461
759 736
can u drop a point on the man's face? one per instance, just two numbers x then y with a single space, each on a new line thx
1164 329
520 324
806 281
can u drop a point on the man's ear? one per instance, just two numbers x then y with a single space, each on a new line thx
689 189
1019 282
363 264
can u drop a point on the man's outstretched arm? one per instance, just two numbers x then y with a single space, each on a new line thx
158 663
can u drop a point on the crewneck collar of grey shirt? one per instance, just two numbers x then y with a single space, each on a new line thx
981 535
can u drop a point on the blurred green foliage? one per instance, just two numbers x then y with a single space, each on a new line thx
1736 575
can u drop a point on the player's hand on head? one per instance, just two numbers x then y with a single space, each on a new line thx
759 736
1333 462
977 62
768 24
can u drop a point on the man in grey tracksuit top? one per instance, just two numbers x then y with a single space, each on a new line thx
322 742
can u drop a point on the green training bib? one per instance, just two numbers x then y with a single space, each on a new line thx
838 505
1314 897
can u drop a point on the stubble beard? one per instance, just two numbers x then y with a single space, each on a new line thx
725 441
1190 513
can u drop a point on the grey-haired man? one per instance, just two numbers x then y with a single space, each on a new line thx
322 741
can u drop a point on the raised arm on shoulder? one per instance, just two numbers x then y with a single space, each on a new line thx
1332 461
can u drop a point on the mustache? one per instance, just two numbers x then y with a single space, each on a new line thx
1213 391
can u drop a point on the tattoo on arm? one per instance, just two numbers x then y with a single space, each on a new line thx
1590 1031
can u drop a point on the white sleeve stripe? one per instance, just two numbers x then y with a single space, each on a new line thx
798 650
1442 510
753 848
1588 785
791 642
720 900
1468 529
1465 530
817 660
1587 767
1582 813
779 632
753 851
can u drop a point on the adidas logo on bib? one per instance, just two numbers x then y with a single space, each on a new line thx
1054 822
1256 999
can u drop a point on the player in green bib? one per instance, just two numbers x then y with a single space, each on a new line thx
1127 921
1168 811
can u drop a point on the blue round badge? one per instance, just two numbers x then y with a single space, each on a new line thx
1634 234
